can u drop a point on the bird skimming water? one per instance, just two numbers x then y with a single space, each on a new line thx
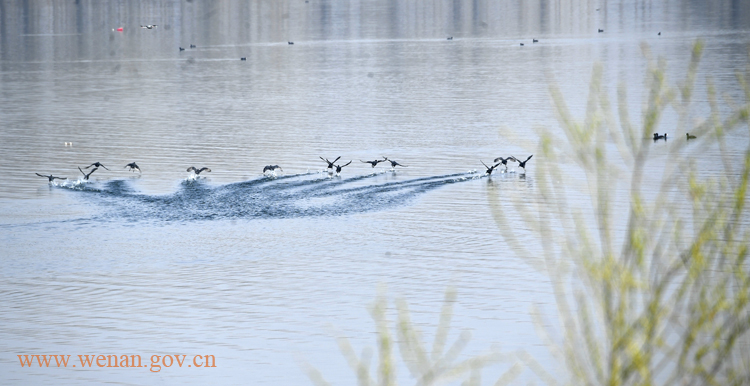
394 163
86 176
133 167
330 164
339 167
489 169
373 163
198 171
522 164
272 168
51 177
97 164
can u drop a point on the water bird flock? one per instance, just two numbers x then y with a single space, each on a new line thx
331 166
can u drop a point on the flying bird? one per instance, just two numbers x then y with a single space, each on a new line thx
51 177
489 169
133 167
339 167
86 176
394 163
373 163
198 171
504 161
97 164
330 164
522 164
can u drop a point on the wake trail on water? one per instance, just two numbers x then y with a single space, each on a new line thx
288 196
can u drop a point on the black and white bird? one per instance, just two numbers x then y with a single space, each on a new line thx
272 168
97 164
51 177
330 164
339 167
86 176
150 26
198 171
489 168
394 163
504 161
373 163
133 167
522 164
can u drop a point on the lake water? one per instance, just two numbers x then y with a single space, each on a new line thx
264 273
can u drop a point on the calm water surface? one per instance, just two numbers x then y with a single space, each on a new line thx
263 273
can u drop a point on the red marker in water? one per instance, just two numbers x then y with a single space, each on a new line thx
119 29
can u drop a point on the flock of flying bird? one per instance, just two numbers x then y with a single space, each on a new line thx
133 167
331 166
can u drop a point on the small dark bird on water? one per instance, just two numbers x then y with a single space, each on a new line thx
133 167
658 136
272 168
339 167
192 46
373 163
489 169
522 164
290 43
450 37
659 34
97 164
243 58
521 44
534 41
394 163
51 177
330 164
182 49
689 137
601 30
86 176
504 161
198 171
